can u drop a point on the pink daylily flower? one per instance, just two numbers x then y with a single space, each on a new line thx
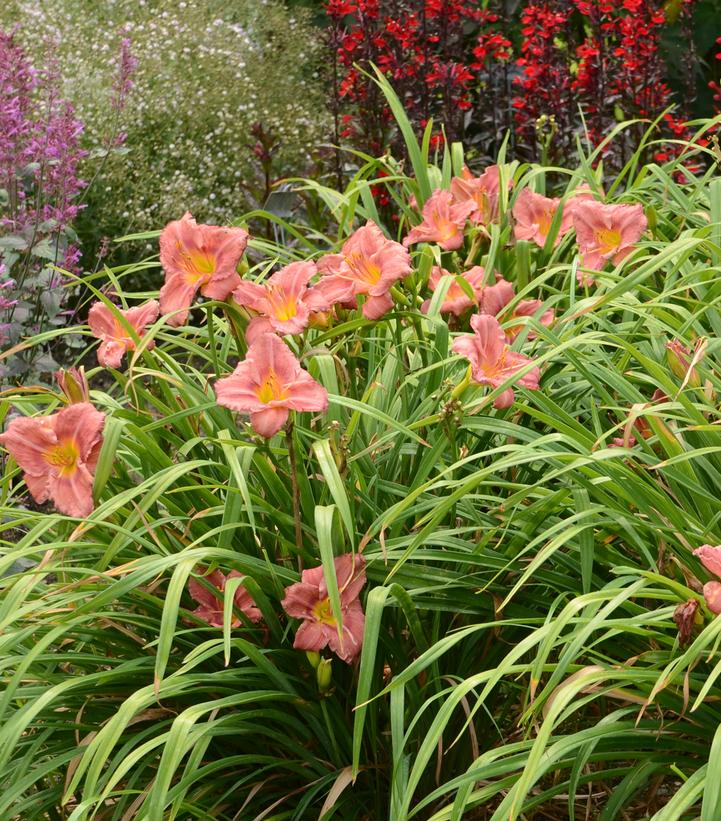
115 338
710 556
369 263
606 232
443 221
492 360
712 596
456 301
58 455
284 301
210 603
268 384
495 298
481 191
534 215
198 257
308 600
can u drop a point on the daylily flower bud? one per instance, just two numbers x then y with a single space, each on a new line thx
679 359
74 384
324 675
313 658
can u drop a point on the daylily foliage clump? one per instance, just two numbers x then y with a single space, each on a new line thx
408 519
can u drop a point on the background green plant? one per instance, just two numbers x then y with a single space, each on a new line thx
207 71
520 656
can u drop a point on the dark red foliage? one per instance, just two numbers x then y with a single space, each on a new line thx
437 54
576 67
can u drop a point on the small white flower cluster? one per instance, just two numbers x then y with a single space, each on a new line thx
207 71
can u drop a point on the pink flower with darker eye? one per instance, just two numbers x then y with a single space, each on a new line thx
198 257
457 301
534 215
58 455
443 221
492 360
284 301
370 264
268 384
494 300
606 232
710 556
481 191
115 337
211 602
308 600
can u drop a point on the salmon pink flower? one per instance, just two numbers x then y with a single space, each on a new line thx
712 596
494 300
196 257
607 231
58 455
456 301
443 221
284 301
534 215
369 263
211 602
268 384
526 308
481 191
710 556
308 600
492 360
116 338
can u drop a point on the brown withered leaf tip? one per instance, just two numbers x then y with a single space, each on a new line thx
684 616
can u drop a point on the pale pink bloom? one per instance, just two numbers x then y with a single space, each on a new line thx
621 442
308 600
116 338
712 596
268 384
526 308
456 301
443 221
492 360
495 299
606 232
211 602
369 263
710 556
284 301
196 257
481 191
58 455
581 194
534 215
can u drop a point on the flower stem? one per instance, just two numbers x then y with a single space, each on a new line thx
290 440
